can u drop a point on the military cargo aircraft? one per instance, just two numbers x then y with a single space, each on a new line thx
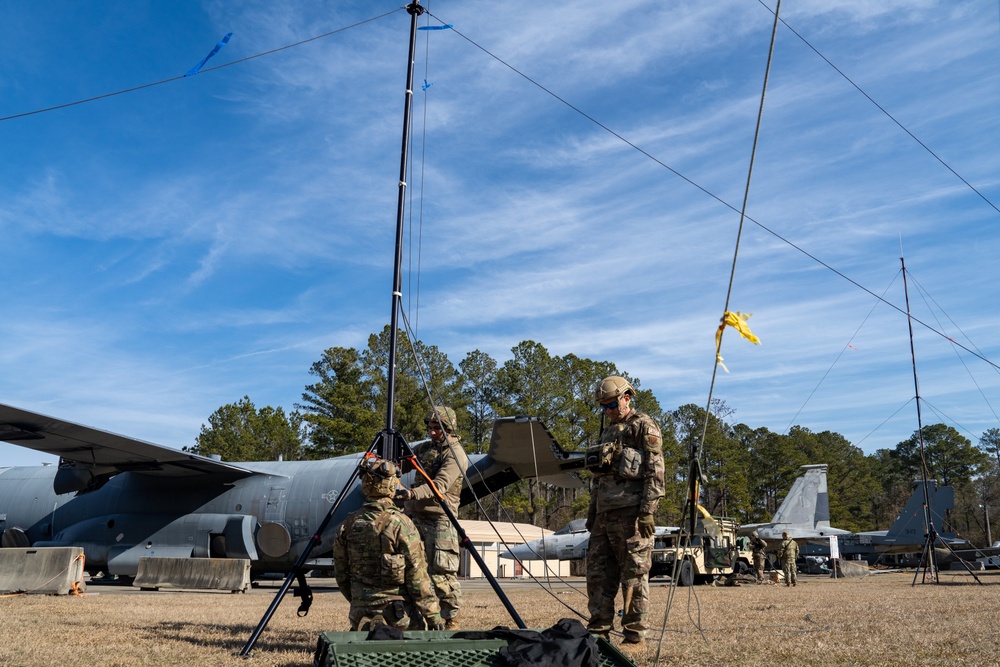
122 499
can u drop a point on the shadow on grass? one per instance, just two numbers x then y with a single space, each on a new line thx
230 638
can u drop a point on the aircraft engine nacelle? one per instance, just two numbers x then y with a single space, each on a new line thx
115 543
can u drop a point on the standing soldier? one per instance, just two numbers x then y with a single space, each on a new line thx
759 547
379 560
789 552
625 490
444 461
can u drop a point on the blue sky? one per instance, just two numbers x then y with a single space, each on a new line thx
166 251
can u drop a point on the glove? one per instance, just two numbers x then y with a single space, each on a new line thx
591 518
435 623
646 527
402 495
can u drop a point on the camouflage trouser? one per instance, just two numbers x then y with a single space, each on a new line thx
618 556
391 612
441 547
758 565
788 567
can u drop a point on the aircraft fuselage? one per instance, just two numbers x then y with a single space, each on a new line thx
268 518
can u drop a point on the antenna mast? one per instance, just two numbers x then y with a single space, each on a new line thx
931 535
389 447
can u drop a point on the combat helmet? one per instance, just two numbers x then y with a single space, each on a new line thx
443 415
611 388
379 478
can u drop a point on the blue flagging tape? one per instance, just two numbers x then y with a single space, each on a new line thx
197 68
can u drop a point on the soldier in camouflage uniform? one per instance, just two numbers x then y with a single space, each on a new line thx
759 548
625 490
444 460
379 559
789 553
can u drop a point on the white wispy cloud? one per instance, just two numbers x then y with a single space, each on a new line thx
169 251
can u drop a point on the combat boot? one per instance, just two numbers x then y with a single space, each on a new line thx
451 624
633 645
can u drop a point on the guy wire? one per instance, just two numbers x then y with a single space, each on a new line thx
694 472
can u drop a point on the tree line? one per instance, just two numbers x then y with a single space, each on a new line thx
747 470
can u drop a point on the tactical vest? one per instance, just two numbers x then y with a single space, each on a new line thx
374 563
431 459
620 451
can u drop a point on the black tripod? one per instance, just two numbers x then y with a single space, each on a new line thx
399 444
389 444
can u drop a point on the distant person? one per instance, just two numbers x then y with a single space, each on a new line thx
444 461
379 559
789 553
627 484
759 547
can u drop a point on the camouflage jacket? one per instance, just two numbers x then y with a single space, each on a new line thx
789 550
635 478
378 557
445 462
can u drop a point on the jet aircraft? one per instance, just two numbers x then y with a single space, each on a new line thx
122 499
907 534
568 543
803 514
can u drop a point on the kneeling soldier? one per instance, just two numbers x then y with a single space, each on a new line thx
379 558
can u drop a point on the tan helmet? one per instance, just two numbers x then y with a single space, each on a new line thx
379 477
612 387
444 416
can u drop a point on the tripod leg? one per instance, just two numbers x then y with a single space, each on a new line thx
297 568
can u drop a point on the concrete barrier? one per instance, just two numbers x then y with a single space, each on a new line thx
42 570
224 574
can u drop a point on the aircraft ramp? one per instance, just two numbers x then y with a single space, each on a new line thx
42 570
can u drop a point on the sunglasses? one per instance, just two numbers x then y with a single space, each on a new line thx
610 406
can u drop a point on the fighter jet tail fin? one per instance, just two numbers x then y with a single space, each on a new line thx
911 525
807 504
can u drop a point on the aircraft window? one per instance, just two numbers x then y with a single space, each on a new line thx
239 507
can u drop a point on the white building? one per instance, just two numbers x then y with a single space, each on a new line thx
491 539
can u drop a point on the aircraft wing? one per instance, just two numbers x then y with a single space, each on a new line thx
522 447
88 455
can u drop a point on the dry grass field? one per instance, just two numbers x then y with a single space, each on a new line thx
879 620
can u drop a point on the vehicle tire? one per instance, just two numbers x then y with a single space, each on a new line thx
685 575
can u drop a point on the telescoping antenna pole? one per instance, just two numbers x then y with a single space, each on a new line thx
388 444
389 447
928 549
931 536
392 446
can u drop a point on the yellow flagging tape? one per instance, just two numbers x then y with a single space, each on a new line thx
737 321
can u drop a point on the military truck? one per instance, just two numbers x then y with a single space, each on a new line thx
712 552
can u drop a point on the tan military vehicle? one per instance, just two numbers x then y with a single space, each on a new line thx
713 551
